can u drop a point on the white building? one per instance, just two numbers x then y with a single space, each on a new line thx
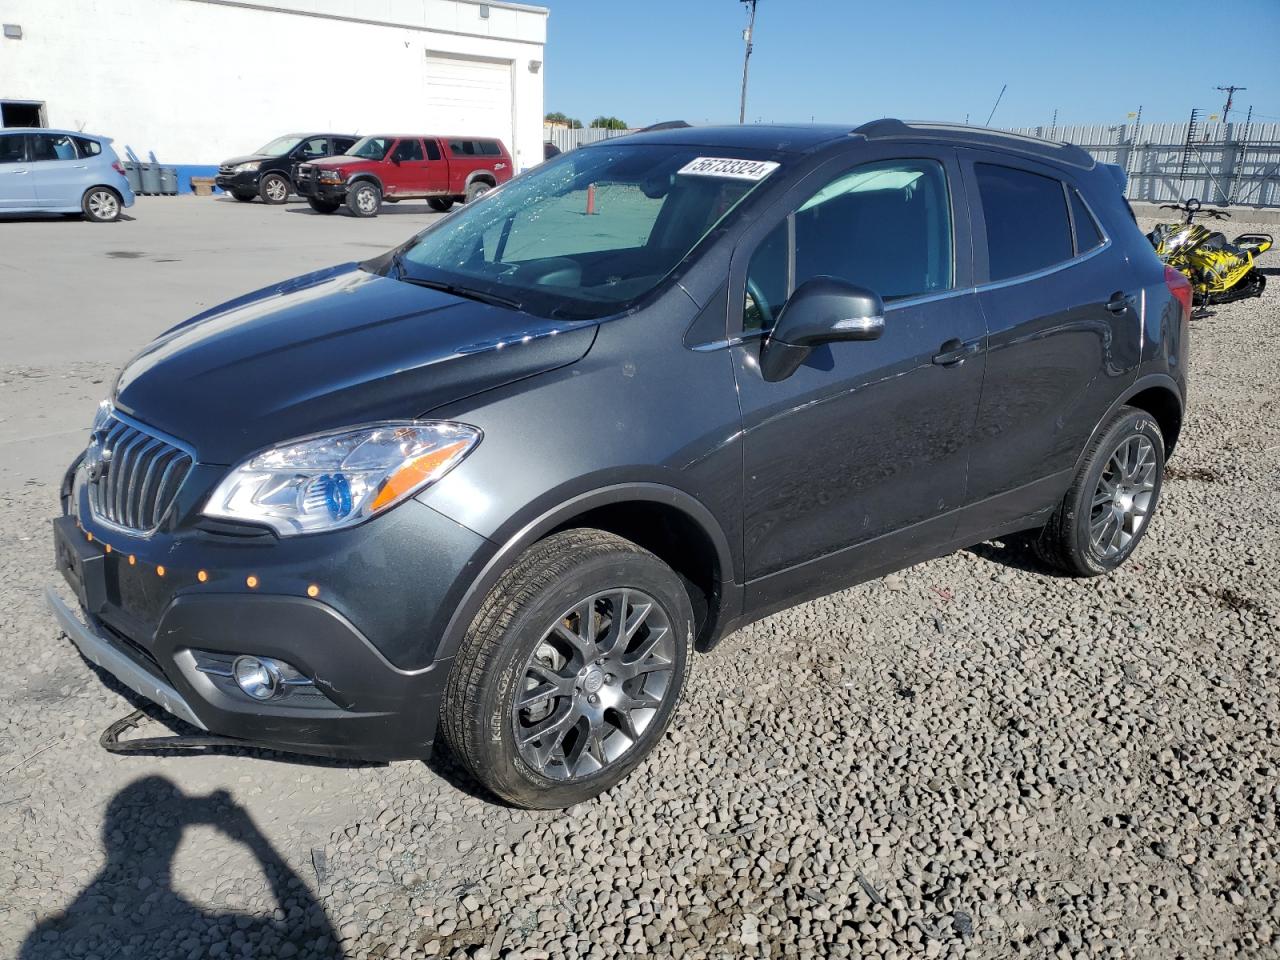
196 81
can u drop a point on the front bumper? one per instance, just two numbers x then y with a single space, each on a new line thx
313 189
167 615
246 182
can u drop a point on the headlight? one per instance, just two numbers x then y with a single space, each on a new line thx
333 176
338 479
248 167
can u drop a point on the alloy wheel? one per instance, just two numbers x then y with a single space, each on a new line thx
1123 499
593 684
104 205
277 191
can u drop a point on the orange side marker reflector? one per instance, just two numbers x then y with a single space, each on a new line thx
106 547
313 591
132 559
202 576
89 536
251 581
160 571
415 473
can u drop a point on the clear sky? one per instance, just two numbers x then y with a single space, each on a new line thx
854 60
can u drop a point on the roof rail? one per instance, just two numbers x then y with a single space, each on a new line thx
979 137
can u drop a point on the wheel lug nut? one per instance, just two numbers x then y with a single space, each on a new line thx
593 699
608 678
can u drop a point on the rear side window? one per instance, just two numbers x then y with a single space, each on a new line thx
12 148
87 147
489 148
1026 216
463 148
1088 235
342 145
409 150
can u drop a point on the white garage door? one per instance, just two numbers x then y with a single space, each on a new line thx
469 98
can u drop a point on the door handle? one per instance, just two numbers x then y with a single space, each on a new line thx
1120 301
954 352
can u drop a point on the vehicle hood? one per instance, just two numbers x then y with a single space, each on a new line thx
335 348
248 157
341 160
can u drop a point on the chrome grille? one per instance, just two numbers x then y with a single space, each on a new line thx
133 476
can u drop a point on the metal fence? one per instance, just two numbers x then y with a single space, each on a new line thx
1212 162
1216 163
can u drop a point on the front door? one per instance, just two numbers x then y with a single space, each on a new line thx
17 189
860 457
411 176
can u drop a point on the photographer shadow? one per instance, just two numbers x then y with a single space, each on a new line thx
132 909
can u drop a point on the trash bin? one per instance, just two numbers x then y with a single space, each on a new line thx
133 176
169 181
150 178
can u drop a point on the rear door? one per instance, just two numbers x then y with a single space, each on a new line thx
60 174
859 458
1061 310
437 166
17 188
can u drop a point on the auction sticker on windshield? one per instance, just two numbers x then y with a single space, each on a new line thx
726 167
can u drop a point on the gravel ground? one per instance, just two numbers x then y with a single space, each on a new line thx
971 758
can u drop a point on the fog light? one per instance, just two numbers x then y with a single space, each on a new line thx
259 679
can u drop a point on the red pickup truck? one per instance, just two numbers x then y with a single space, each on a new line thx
391 168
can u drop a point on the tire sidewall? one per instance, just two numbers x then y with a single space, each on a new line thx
353 198
496 738
271 178
477 190
1134 423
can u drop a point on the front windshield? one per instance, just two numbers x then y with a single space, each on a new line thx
370 148
589 231
279 146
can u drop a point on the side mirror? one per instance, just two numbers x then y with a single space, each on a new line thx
821 310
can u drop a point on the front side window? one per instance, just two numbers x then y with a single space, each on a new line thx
587 233
1026 216
407 150
12 148
884 226
52 146
316 147
370 148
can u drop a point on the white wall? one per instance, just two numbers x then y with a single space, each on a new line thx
201 80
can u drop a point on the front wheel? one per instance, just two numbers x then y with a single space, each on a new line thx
364 199
322 206
1107 511
274 188
571 670
101 205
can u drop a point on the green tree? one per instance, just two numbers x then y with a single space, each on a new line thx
609 123
558 117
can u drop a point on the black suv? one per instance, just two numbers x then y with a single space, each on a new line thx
268 172
507 477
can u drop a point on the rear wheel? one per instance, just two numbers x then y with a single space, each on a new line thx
440 204
275 188
322 206
571 670
1107 511
477 190
101 205
364 199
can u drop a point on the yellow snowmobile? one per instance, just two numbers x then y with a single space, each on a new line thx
1219 270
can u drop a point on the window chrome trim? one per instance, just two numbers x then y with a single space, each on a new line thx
1045 271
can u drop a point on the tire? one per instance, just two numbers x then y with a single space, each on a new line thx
244 197
101 205
322 206
1109 506
364 199
275 189
477 190
520 632
440 204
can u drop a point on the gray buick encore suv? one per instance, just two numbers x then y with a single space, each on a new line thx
503 480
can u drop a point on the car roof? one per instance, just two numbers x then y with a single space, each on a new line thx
68 133
807 138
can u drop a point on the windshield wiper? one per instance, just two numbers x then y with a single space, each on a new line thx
469 293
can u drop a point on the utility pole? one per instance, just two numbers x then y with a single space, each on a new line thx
1230 92
748 35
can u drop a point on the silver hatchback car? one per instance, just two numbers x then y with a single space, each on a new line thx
61 171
